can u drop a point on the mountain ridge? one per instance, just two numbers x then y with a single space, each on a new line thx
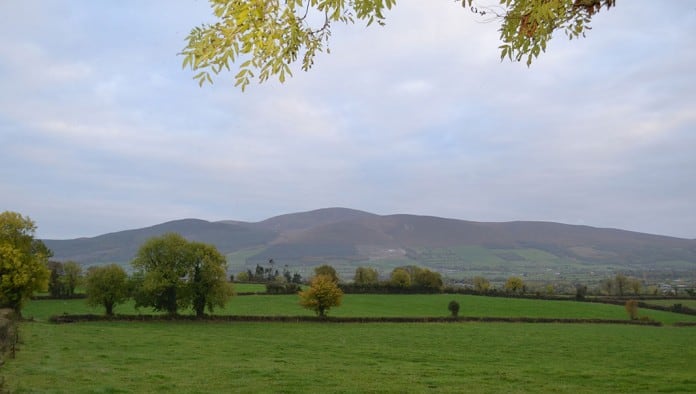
347 237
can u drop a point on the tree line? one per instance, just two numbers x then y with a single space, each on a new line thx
172 274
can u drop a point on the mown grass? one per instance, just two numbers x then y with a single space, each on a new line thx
187 357
371 305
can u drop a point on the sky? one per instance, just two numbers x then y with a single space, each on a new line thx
101 129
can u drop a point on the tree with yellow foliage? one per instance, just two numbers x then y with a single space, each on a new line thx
514 285
264 37
23 261
322 295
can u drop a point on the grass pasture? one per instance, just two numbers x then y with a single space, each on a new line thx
371 305
188 357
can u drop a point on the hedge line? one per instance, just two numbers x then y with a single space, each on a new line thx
297 319
64 297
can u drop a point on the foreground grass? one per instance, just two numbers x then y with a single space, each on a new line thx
371 305
313 357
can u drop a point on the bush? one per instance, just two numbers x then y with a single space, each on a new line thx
632 309
453 307
282 288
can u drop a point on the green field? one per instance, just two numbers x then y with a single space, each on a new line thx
314 357
189 357
249 288
370 305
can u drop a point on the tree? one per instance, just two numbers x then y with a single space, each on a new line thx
174 273
322 295
607 285
107 286
549 289
400 278
514 285
481 284
266 37
636 285
621 283
366 276
328 271
163 262
56 287
23 261
243 276
72 276
207 278
427 280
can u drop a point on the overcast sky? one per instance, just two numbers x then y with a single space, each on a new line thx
101 130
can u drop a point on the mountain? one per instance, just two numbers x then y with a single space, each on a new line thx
121 247
347 238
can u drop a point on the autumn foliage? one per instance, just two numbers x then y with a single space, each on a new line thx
322 295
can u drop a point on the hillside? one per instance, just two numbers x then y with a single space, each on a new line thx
347 238
121 247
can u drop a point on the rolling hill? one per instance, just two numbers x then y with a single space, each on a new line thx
347 238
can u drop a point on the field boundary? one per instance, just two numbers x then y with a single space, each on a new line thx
61 319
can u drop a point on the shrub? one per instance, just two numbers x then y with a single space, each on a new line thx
580 291
632 309
282 288
453 307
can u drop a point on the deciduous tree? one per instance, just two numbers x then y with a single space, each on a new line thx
242 277
163 262
72 276
366 276
481 284
328 271
636 285
400 278
427 280
207 278
56 286
621 283
264 37
173 273
322 294
107 286
607 285
23 261
514 284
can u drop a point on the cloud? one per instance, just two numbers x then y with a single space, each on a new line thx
101 130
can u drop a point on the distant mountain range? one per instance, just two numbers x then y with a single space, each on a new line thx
348 238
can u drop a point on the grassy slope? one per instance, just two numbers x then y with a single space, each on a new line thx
387 305
310 357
